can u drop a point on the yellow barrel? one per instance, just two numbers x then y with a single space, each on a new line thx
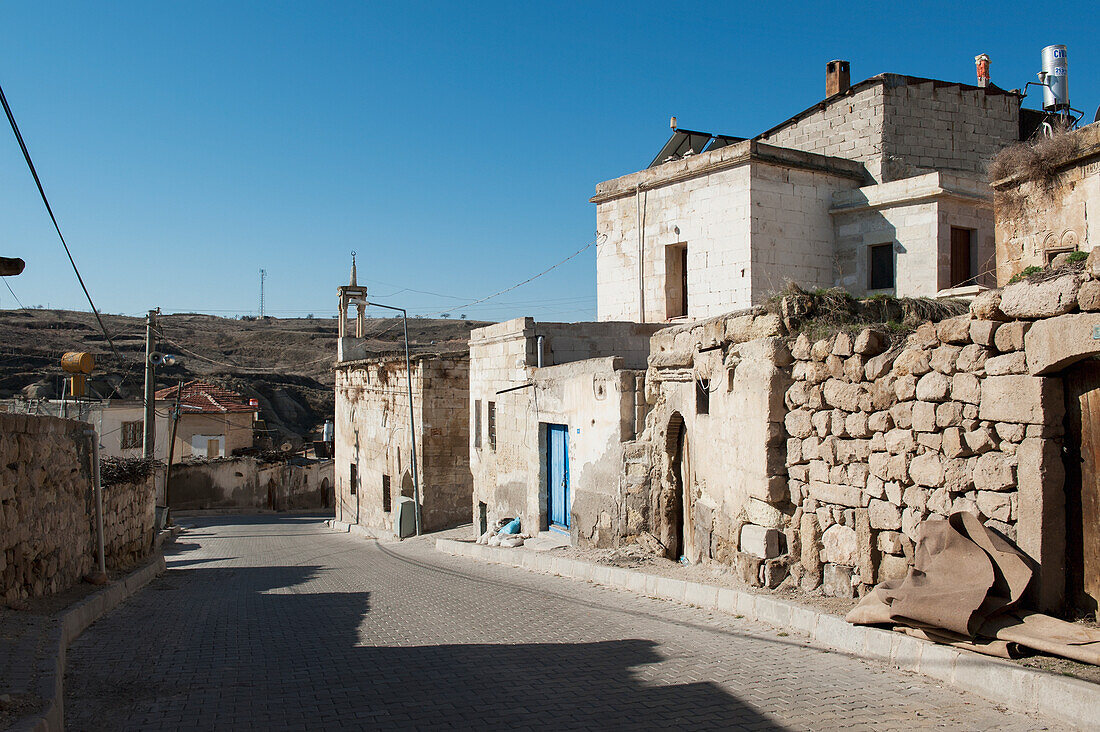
77 363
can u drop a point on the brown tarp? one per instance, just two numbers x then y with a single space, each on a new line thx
964 589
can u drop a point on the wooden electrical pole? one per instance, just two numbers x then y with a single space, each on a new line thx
148 442
175 415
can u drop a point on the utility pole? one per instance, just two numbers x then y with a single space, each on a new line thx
263 276
148 442
175 415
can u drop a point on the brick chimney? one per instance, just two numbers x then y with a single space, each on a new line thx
837 78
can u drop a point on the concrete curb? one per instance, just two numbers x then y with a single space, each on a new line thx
69 626
360 531
1068 700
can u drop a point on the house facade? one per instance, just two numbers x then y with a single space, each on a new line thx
119 422
551 406
213 421
880 189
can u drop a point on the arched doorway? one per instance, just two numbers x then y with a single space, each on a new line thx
407 484
677 533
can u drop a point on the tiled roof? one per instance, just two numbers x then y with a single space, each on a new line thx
199 397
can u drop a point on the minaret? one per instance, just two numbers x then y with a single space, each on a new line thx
350 294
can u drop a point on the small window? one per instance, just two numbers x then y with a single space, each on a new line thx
133 434
881 267
386 500
354 480
477 424
702 396
482 518
962 270
492 420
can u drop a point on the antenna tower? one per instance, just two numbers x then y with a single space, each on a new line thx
263 276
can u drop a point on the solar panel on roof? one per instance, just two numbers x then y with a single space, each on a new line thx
684 141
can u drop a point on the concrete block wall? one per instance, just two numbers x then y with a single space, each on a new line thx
852 128
933 126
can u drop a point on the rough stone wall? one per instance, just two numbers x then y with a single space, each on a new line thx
45 505
735 472
245 482
372 432
1037 219
881 441
916 216
129 512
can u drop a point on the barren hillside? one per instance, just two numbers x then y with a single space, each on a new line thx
286 363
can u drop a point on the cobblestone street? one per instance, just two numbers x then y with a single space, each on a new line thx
268 622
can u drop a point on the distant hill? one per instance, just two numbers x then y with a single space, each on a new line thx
286 363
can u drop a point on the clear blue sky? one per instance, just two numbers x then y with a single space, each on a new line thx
454 146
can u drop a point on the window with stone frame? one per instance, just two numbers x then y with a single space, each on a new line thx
491 424
477 423
880 267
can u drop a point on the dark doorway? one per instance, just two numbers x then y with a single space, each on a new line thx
1082 488
677 534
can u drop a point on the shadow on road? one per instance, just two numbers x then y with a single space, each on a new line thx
262 648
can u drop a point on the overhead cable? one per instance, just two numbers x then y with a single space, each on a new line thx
49 210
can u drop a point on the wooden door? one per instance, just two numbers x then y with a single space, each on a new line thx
1082 453
557 472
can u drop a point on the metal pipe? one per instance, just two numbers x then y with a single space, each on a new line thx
641 254
412 422
97 490
539 340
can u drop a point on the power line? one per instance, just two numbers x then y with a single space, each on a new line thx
49 209
13 293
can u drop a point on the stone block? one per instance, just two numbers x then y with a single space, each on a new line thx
982 331
761 541
891 566
1041 299
943 359
966 388
878 366
987 306
1009 363
954 330
905 387
912 361
926 469
924 416
869 342
842 395
1028 399
841 495
1010 336
883 515
933 387
1053 344
994 472
842 345
972 358
837 581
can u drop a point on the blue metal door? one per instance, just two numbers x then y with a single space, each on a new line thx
557 459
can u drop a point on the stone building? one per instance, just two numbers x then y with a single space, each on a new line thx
1043 199
373 450
879 188
551 407
119 422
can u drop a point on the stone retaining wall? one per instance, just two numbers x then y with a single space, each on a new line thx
47 513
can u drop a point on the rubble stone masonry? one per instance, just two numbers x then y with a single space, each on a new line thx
47 514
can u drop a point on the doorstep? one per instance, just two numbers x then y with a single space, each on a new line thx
1015 687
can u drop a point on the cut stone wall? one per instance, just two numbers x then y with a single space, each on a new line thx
1040 218
372 433
129 513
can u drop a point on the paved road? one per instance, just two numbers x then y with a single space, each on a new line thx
277 623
